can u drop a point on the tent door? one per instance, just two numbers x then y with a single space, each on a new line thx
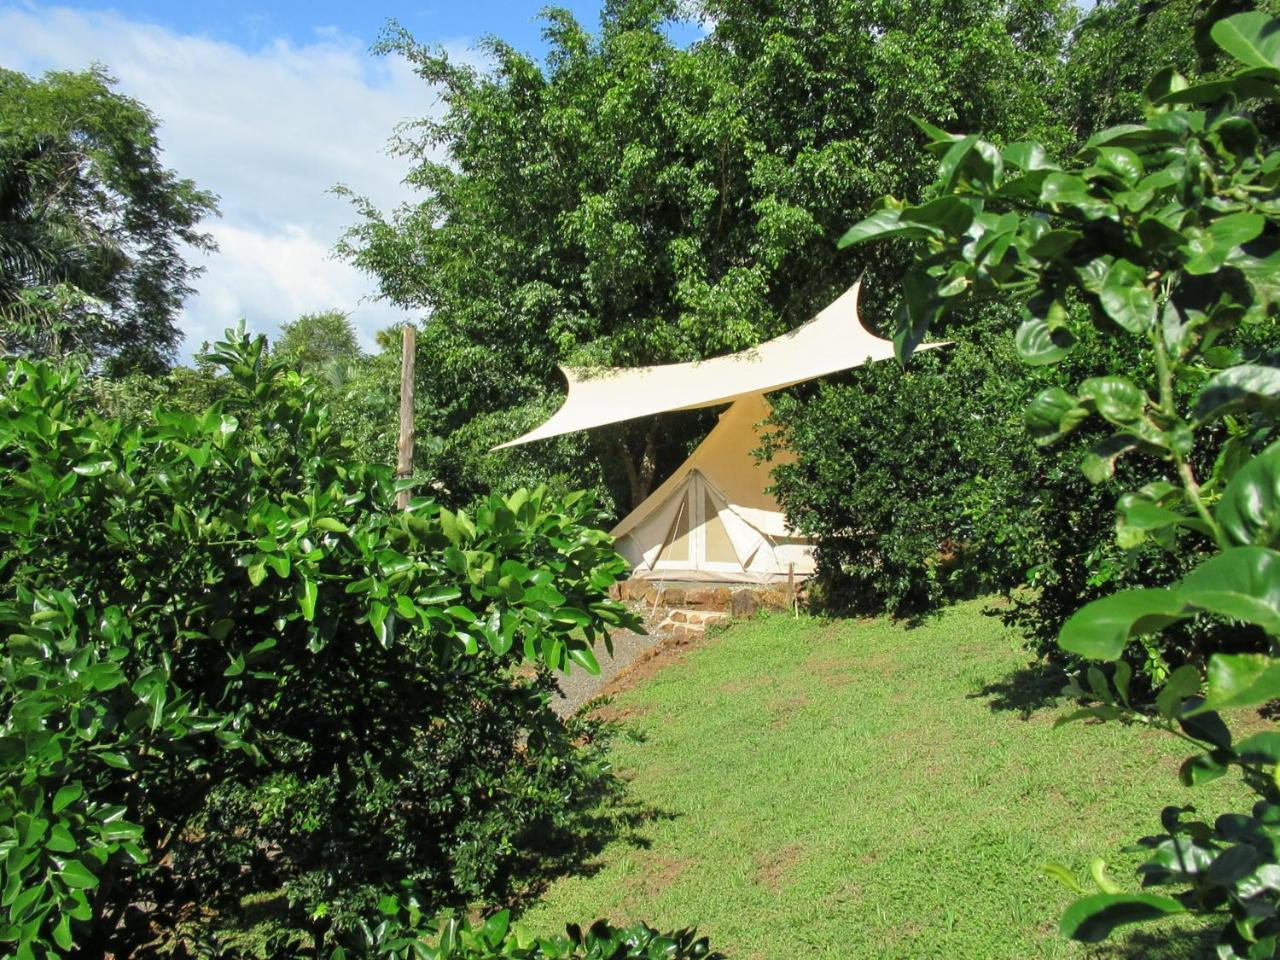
697 538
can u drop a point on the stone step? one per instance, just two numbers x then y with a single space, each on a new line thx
696 616
690 623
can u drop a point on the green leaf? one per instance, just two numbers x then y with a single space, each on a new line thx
307 600
584 658
1232 865
1241 583
1038 345
1260 748
953 161
1092 919
1101 629
1252 38
1182 684
936 134
1125 297
1241 680
66 796
1248 386
257 573
95 467
1053 243
1122 162
1236 229
1053 413
77 876
1249 511
1028 155
62 932
1139 513
881 225
949 213
121 830
1115 398
1258 82
1208 250
495 928
1099 464
440 594
1057 871
463 614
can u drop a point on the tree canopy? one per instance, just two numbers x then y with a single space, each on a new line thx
630 201
92 225
316 340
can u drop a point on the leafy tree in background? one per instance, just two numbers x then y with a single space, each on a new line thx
1115 45
92 225
315 341
632 202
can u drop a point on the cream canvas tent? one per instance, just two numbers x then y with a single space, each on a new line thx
713 519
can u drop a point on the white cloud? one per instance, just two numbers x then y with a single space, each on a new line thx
270 131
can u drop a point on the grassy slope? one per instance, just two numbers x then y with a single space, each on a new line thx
847 789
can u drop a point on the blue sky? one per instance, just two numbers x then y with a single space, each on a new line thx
269 106
252 24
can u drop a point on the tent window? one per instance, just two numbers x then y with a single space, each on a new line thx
719 548
677 548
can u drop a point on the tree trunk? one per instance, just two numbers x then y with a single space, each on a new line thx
640 472
404 449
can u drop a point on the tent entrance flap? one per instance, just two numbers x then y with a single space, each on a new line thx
696 530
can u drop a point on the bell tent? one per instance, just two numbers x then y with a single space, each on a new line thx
714 519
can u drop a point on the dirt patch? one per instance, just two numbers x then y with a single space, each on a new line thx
649 664
784 709
771 871
843 668
657 874
612 713
745 685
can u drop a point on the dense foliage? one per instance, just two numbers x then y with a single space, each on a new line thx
496 939
1167 232
985 512
92 225
933 514
631 202
243 701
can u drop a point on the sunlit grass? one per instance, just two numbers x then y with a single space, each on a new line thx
865 789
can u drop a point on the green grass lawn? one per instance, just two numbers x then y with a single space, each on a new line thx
865 789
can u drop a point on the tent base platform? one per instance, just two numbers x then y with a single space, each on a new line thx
735 599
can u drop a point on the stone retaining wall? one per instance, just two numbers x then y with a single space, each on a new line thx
739 600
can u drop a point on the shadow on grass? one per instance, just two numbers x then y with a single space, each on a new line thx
1169 945
576 852
1026 690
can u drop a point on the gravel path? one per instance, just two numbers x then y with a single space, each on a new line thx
579 686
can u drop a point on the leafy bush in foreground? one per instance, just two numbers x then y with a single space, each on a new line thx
496 939
1169 232
239 694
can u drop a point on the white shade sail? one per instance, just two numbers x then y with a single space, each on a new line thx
832 341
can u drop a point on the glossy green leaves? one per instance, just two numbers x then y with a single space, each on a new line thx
1239 584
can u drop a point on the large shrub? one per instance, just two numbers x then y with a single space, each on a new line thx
242 698
914 481
1168 233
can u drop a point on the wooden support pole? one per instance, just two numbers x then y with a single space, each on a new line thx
404 450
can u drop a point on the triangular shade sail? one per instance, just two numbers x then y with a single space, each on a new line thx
832 341
713 519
